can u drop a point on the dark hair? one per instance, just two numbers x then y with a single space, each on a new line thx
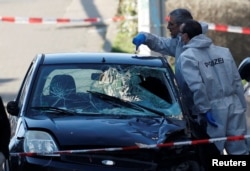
192 28
181 15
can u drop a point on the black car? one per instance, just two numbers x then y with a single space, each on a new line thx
100 112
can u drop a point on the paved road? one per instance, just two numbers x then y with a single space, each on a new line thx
19 43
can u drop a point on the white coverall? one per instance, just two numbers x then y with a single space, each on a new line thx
210 81
167 45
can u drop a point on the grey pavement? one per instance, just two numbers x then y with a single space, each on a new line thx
19 43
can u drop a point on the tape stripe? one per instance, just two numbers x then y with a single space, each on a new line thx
139 146
39 20
225 28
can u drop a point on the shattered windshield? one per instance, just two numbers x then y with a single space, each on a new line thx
105 89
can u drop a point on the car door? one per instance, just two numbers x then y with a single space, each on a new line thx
244 70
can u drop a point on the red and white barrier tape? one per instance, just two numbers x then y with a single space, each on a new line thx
138 146
39 20
226 28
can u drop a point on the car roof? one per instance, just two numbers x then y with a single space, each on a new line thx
105 57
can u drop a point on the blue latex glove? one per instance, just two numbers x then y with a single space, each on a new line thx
210 119
138 40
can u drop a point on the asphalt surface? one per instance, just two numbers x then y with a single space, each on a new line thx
19 43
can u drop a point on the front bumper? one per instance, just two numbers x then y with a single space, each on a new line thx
78 163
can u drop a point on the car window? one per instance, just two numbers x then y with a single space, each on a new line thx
25 85
105 89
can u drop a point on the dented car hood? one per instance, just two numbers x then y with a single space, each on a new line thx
100 132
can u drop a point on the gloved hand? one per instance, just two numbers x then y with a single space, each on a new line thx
138 40
210 119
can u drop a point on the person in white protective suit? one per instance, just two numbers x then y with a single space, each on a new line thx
171 46
212 85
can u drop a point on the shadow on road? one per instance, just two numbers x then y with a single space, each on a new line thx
6 80
90 8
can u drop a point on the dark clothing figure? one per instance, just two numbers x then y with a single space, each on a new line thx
5 133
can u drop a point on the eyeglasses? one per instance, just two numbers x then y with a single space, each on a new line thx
170 24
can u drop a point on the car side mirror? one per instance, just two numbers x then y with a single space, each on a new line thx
244 69
12 108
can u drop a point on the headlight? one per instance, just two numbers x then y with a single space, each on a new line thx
39 142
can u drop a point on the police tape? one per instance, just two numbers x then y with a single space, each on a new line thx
223 27
226 28
136 147
40 20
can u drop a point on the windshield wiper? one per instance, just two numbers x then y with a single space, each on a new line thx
55 110
126 103
117 100
150 109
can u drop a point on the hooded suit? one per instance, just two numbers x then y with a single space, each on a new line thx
209 80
